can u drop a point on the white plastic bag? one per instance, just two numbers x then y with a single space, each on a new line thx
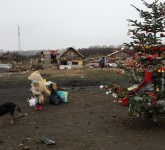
32 102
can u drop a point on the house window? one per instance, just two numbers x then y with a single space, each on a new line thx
63 62
74 63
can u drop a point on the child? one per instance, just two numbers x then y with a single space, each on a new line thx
39 96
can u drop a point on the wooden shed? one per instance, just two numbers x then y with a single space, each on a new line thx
118 56
70 58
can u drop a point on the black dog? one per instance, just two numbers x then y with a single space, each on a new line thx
9 108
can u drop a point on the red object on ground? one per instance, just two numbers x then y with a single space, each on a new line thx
38 107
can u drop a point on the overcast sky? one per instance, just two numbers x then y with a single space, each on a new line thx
54 24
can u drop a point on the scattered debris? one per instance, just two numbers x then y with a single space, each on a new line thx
47 141
5 66
26 148
21 144
21 115
37 66
28 139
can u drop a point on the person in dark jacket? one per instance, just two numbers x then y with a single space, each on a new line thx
102 63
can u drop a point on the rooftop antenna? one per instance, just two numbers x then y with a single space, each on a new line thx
19 38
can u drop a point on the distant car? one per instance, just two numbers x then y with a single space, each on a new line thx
93 65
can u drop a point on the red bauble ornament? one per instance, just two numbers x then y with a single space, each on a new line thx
162 49
155 69
124 101
149 57
155 55
148 76
162 69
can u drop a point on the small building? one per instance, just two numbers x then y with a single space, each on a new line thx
70 58
118 54
116 57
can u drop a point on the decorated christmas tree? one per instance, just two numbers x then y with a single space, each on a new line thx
147 98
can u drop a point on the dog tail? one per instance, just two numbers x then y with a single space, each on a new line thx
18 108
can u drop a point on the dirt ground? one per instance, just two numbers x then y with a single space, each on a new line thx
90 121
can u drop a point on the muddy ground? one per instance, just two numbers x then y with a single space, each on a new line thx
90 121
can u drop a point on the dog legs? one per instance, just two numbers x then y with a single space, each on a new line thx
12 120
12 116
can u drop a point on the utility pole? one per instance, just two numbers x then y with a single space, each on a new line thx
19 38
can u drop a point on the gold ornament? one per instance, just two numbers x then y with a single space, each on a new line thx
147 46
157 89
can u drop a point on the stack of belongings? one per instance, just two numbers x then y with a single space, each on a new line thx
56 97
42 89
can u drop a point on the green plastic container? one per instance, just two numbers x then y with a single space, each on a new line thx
63 95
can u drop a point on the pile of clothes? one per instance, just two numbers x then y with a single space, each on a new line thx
42 91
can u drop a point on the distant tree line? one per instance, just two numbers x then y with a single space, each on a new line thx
17 56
